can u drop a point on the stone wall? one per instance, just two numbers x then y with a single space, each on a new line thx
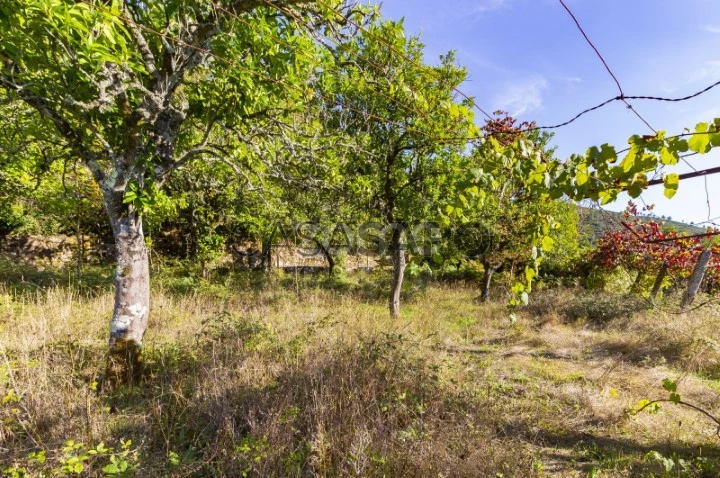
52 251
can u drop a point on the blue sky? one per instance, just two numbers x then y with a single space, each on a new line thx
527 57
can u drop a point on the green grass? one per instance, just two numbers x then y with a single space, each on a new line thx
282 375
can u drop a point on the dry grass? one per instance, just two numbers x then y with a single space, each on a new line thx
287 378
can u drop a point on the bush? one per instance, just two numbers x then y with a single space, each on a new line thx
573 305
619 280
599 308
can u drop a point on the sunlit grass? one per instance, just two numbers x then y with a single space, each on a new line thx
288 376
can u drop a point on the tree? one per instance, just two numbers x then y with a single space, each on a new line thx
600 175
401 170
208 211
646 247
320 218
312 194
136 90
509 215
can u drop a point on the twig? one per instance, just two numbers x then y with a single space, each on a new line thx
690 405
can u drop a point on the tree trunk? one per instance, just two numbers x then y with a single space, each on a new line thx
696 278
266 253
80 255
637 285
80 245
326 253
398 272
659 281
487 280
132 297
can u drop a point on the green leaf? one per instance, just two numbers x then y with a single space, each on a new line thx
669 385
669 157
548 243
529 274
628 164
518 288
645 405
715 139
582 173
111 469
675 398
130 196
607 153
667 463
671 182
635 190
678 145
700 141
606 197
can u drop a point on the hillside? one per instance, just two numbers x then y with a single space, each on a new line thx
594 222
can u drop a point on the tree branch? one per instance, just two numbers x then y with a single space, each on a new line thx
143 47
72 136
244 6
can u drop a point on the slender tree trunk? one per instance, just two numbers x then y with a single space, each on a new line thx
330 261
267 251
398 272
326 253
487 280
132 296
266 256
696 278
637 285
80 254
659 281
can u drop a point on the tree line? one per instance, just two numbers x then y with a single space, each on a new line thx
221 120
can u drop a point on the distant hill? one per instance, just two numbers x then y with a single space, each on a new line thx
594 222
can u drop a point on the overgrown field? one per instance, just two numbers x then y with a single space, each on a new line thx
271 375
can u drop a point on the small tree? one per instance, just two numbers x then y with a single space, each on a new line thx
402 170
136 90
505 223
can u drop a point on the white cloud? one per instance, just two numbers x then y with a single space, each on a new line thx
709 70
711 28
439 16
485 6
469 57
572 80
522 96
